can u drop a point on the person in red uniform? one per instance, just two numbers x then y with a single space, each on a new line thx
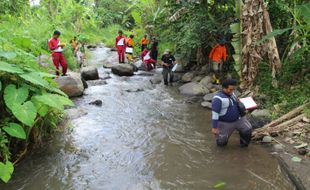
147 60
121 47
57 53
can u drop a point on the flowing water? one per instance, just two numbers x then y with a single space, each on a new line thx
143 137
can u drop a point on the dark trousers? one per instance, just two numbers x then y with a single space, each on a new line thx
242 125
168 75
154 54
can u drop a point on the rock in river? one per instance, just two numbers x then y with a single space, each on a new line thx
71 84
96 103
89 73
206 82
267 139
208 97
193 89
206 105
188 77
123 70
74 113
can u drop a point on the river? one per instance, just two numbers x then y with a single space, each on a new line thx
143 137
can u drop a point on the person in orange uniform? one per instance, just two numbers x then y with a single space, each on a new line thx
217 58
129 48
144 42
120 46
57 53
74 45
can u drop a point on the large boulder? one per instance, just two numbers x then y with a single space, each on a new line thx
259 118
188 77
206 82
208 97
206 105
71 84
123 70
261 113
90 73
193 89
197 79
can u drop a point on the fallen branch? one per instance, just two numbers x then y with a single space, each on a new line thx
287 116
265 131
287 123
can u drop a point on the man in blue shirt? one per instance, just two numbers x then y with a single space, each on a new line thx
226 116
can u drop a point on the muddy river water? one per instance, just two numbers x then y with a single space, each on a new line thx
143 137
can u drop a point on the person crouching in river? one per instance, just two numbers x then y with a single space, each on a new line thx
168 61
57 53
226 117
147 60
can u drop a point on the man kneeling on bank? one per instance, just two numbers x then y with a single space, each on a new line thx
226 117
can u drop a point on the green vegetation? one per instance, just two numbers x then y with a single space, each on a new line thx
292 37
31 105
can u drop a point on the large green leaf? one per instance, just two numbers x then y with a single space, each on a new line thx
42 109
15 130
6 171
0 86
273 34
25 113
35 79
235 28
8 55
54 100
305 11
10 68
22 42
14 96
136 16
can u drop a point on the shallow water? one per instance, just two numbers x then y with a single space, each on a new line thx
150 139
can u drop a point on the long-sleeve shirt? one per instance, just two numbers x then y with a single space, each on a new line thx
120 41
53 44
224 108
218 53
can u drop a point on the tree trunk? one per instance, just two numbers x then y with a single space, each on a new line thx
201 57
255 25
